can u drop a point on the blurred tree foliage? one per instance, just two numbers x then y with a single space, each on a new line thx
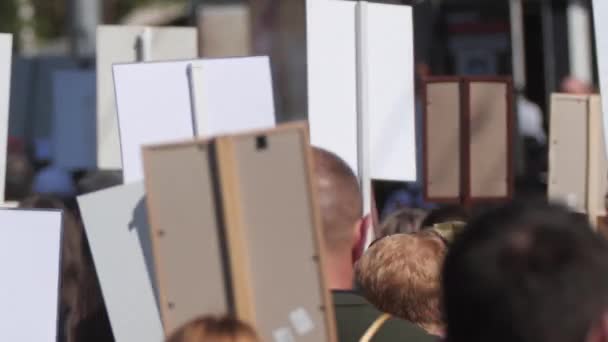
8 16
50 19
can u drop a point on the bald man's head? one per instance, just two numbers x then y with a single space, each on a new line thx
339 199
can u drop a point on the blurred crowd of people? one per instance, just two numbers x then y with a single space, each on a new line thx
515 272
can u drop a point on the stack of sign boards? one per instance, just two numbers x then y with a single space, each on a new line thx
578 165
468 130
233 229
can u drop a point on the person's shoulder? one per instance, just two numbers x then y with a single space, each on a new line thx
397 329
354 315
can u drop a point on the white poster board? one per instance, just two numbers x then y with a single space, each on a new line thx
117 228
124 44
6 52
361 87
155 105
73 124
30 254
332 77
232 95
600 7
386 69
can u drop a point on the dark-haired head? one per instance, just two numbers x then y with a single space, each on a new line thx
526 273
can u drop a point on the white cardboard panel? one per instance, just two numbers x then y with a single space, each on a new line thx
117 228
332 77
73 125
6 50
232 95
117 44
387 70
600 8
154 102
30 251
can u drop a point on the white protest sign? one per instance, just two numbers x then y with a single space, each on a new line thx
124 44
6 52
386 46
155 105
73 124
600 7
30 254
332 77
361 87
117 229
232 95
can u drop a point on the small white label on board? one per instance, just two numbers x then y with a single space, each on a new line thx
301 321
283 335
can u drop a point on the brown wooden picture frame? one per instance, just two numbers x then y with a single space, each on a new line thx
240 165
509 139
463 150
456 197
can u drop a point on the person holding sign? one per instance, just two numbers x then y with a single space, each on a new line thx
341 207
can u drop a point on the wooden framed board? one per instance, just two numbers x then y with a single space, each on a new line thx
116 222
568 150
490 138
597 180
578 163
442 139
212 204
468 138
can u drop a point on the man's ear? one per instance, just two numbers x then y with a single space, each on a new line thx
360 234
599 331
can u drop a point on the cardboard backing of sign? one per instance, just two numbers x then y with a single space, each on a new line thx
264 260
468 129
598 161
119 44
30 260
568 150
442 139
578 163
116 222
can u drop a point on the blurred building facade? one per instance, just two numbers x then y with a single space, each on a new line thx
547 39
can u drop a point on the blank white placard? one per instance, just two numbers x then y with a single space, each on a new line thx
117 44
232 95
154 102
73 124
600 7
332 77
117 229
6 51
386 44
30 251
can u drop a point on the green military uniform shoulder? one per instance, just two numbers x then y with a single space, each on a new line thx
354 315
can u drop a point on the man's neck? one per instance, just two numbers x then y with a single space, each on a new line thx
340 272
